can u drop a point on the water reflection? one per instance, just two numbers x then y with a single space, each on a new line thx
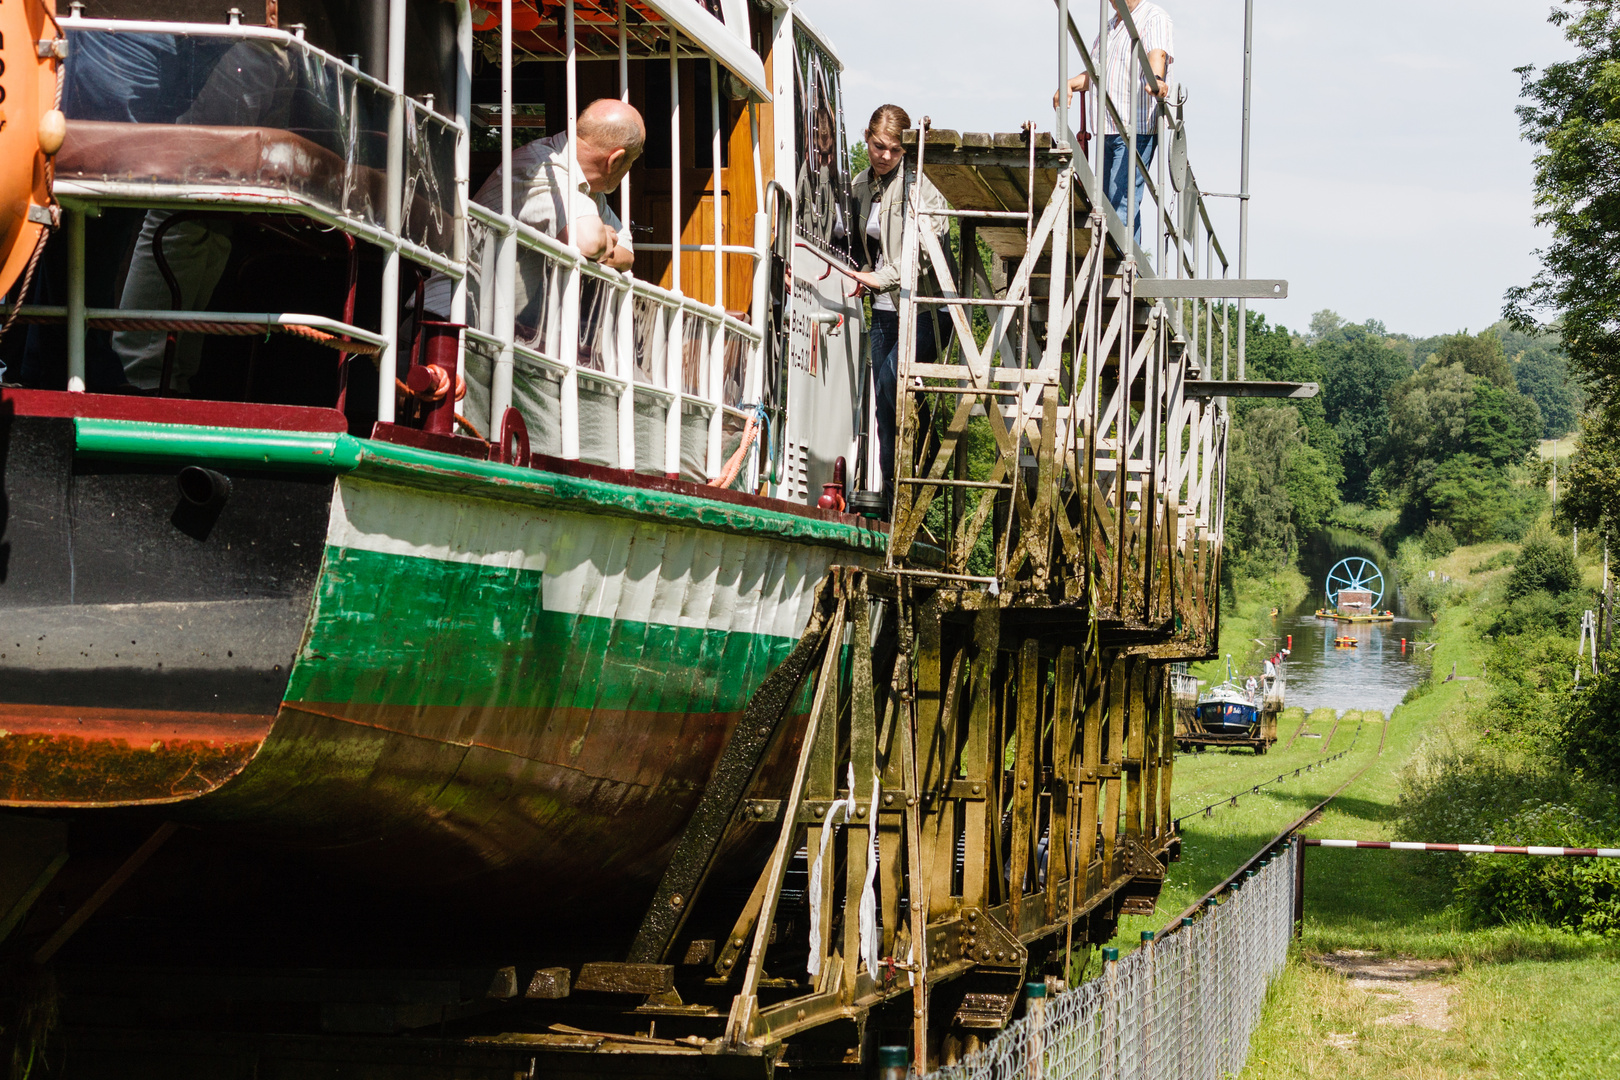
1374 674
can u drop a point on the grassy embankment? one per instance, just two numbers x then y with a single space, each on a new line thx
1524 1000
1246 621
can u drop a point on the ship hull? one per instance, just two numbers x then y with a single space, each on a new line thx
483 680
501 693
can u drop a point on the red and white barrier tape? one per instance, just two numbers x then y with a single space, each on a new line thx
1470 849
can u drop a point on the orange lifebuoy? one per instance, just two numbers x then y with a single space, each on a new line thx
31 129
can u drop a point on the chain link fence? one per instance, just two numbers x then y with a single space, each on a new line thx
1182 1006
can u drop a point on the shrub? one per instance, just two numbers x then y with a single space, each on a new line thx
1589 735
1501 560
1539 612
1576 894
1545 563
1438 540
1482 796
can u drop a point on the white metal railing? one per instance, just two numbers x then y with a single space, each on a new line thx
650 380
602 367
341 112
358 155
615 370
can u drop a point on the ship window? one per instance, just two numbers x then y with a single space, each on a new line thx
823 189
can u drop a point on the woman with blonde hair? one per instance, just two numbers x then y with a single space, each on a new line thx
882 192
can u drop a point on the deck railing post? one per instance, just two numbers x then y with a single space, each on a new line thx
505 313
568 411
677 328
716 383
624 331
393 214
458 297
75 300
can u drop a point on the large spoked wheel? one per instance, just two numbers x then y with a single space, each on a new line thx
1355 574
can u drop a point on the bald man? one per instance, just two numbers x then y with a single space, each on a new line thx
611 136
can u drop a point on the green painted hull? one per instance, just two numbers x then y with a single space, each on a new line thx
509 680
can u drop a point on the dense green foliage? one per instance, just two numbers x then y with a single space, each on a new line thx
1449 441
1484 796
1545 565
1571 112
1358 372
1537 760
1436 439
1541 371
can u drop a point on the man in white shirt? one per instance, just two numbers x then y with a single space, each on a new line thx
1158 36
611 137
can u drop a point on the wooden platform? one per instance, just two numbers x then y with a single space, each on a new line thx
977 170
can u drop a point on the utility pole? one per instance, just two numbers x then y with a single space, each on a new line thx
1243 189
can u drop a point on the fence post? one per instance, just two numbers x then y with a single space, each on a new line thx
1189 974
1148 1059
1299 886
1036 1025
893 1061
1110 1047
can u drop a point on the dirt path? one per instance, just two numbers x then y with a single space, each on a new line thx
1423 994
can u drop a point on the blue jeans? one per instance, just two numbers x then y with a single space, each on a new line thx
885 335
1116 173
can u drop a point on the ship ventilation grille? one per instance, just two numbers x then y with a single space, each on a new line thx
798 470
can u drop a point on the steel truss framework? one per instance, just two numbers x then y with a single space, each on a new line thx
984 777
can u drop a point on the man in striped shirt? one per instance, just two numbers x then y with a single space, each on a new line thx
1158 39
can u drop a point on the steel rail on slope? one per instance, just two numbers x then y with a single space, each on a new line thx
1277 841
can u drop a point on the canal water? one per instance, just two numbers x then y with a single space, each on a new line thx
1375 674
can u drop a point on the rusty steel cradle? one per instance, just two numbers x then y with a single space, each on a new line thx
984 779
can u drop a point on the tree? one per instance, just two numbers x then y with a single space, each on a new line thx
1545 564
1274 353
1541 371
1428 417
1469 494
1480 356
1543 376
1278 487
1324 323
1502 425
1589 486
1571 112
1357 376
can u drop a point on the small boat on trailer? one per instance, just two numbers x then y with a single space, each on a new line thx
1238 712
1229 709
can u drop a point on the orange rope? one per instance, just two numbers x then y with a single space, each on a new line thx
734 465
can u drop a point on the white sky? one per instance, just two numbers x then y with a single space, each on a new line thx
1388 179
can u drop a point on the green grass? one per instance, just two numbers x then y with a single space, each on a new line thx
1368 521
1215 845
1563 447
1528 1001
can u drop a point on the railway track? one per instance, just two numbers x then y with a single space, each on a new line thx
1276 842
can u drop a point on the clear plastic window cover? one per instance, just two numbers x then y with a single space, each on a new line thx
826 206
250 113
